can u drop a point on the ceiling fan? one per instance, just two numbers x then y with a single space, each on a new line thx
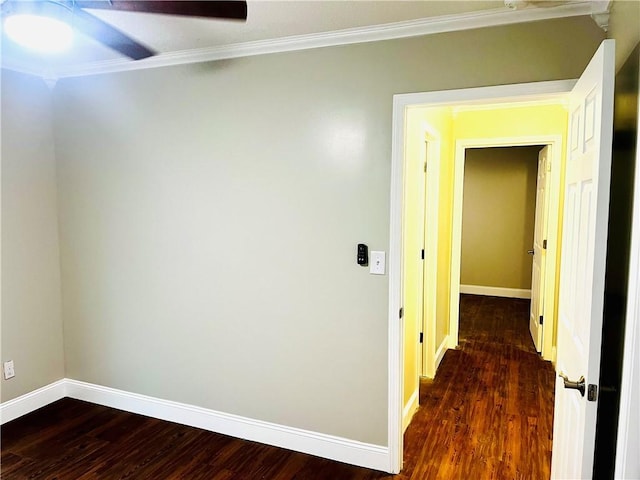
71 13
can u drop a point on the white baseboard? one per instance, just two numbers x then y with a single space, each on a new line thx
495 291
410 409
440 351
327 446
31 401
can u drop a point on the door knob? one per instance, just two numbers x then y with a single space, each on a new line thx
579 385
530 252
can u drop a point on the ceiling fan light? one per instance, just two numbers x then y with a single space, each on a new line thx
38 32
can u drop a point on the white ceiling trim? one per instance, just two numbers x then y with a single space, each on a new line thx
29 69
411 28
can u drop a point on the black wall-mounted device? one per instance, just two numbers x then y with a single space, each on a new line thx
363 255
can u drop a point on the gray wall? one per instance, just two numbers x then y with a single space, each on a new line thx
31 312
498 216
209 216
623 26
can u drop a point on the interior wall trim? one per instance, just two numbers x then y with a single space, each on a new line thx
410 409
304 441
496 291
389 31
440 351
31 401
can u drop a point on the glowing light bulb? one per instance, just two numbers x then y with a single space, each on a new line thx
37 32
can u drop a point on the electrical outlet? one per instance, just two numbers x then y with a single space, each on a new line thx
9 371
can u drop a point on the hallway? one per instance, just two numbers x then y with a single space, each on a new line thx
489 412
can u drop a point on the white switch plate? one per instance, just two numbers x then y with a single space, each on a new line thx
376 263
9 371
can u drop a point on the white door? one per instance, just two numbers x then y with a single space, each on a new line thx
539 251
584 242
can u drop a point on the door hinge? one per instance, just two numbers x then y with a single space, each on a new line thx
541 319
421 337
401 312
425 167
544 244
422 254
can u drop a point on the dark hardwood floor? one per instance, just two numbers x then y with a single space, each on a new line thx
489 412
487 415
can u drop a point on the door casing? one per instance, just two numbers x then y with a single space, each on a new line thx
556 144
504 93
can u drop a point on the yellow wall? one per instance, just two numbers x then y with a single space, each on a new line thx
450 126
413 231
510 121
421 123
445 213
498 214
513 122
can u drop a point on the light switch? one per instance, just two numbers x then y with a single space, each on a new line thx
376 263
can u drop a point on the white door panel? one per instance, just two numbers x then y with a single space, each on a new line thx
588 173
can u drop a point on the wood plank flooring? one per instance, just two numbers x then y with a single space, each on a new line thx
489 412
487 415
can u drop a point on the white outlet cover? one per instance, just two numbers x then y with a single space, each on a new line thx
377 263
9 371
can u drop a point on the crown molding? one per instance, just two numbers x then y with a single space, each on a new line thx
22 67
411 28
49 77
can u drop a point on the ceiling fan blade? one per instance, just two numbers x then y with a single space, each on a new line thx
109 36
233 10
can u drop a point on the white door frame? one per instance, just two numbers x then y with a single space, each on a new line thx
395 355
556 145
429 265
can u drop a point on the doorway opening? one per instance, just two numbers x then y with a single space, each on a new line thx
504 229
438 183
432 241
549 226
545 124
437 139
588 171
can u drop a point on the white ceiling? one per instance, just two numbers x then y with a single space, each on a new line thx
275 19
176 37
